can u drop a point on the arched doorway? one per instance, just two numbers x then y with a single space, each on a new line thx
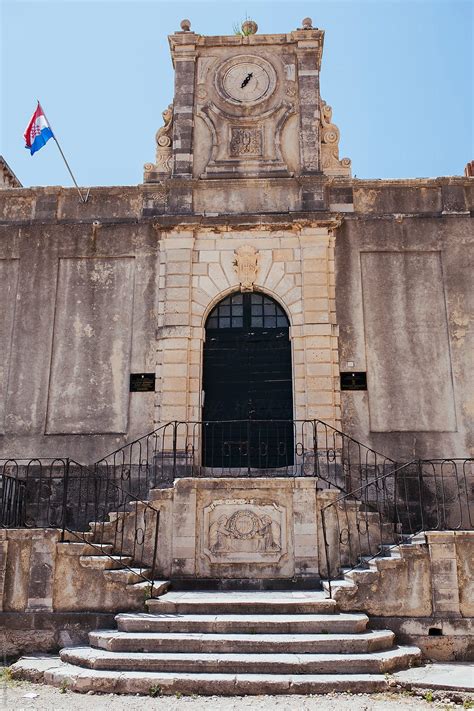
247 383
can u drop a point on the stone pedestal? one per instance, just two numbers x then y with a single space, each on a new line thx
239 528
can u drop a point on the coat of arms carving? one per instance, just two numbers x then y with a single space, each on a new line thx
246 266
244 531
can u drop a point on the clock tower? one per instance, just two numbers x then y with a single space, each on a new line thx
247 107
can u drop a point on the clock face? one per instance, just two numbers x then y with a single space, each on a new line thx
246 80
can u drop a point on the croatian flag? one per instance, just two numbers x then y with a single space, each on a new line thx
38 131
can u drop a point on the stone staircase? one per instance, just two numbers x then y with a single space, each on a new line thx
369 583
230 643
97 555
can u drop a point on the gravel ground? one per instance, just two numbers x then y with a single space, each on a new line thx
13 698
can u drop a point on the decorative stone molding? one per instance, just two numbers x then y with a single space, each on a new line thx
330 162
246 266
164 151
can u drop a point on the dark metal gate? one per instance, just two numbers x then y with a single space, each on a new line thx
247 376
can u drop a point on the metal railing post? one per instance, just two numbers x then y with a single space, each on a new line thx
65 493
175 441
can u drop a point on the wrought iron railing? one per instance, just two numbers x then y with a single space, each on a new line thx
113 515
88 504
108 503
240 448
32 492
421 495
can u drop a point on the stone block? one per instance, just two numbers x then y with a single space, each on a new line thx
176 319
178 267
218 276
276 273
174 256
181 293
282 255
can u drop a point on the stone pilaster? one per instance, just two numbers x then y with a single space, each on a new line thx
183 50
317 391
175 331
42 562
444 573
308 52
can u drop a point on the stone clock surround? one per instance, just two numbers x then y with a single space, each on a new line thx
292 62
225 151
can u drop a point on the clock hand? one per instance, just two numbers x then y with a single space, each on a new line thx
246 80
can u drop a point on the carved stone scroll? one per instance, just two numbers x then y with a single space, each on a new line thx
330 162
246 266
164 152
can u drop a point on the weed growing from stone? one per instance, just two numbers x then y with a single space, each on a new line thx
428 696
6 676
154 691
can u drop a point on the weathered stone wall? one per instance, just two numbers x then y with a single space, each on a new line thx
53 593
93 292
39 573
404 309
79 313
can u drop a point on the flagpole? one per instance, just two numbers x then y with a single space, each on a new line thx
83 199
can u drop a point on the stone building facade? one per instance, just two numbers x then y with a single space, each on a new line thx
249 277
247 194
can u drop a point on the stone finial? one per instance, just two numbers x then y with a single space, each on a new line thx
249 27
307 23
185 25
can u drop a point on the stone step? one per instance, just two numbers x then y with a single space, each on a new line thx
153 588
77 547
78 679
360 643
109 564
242 602
127 575
246 623
70 537
339 584
207 663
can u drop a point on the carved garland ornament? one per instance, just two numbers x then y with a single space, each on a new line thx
246 266
244 525
331 164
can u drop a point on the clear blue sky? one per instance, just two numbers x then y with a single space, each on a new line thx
399 76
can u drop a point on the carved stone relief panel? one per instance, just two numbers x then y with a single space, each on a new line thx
244 531
246 141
